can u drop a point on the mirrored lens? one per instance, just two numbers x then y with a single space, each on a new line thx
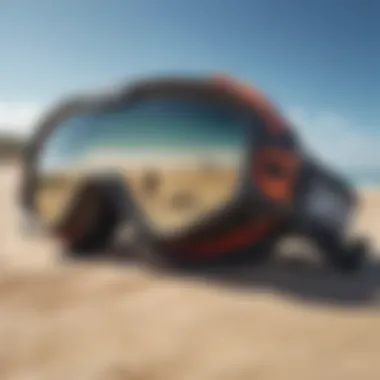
180 158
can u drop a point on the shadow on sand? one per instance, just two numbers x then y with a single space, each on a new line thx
296 278
303 280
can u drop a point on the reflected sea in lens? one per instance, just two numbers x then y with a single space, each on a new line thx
179 161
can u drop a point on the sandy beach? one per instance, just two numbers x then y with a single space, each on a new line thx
118 321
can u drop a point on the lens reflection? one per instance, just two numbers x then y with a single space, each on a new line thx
180 158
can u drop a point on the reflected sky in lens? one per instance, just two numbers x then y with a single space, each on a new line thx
150 130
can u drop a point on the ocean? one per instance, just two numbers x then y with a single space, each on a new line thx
364 179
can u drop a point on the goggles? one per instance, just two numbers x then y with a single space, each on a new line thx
203 168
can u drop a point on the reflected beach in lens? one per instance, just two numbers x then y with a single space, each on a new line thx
180 161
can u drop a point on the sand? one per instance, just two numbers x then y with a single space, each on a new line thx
111 321
183 196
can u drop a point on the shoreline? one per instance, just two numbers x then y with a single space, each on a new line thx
368 188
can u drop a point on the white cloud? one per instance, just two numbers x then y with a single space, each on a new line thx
336 141
19 118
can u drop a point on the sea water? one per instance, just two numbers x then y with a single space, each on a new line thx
368 180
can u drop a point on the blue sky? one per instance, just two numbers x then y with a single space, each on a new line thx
319 60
